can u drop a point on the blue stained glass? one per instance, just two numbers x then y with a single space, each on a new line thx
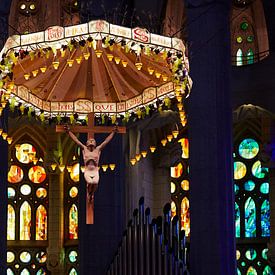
265 216
264 188
238 272
249 185
236 189
248 148
264 253
237 221
268 271
250 218
251 254
258 171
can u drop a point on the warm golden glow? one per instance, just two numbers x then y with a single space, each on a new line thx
104 167
164 77
138 156
27 76
9 140
157 74
98 53
35 73
55 64
164 142
70 62
180 106
1 110
17 146
3 103
169 137
152 149
78 60
4 135
179 98
133 161
86 55
175 133
144 153
69 168
112 166
151 70
178 88
124 63
110 57
53 166
11 85
62 167
82 168
117 60
35 160
138 65
43 69
1 131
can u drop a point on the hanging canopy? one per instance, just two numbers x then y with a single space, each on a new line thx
93 67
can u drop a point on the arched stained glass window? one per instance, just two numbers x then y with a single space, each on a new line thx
11 223
25 271
250 218
9 272
73 271
268 271
177 171
237 220
25 221
41 223
250 57
265 218
239 57
73 222
185 215
251 271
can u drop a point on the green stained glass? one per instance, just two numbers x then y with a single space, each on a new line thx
249 185
9 272
248 148
268 271
243 263
251 271
25 271
250 38
239 39
11 192
264 188
236 189
73 272
239 57
250 57
251 254
264 253
73 256
265 217
237 220
239 170
244 25
250 218
238 272
41 271
258 171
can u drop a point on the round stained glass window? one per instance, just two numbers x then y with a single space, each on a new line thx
25 153
11 192
264 253
74 175
73 256
25 257
185 185
249 185
251 254
10 257
37 174
25 189
258 171
248 148
264 188
239 170
41 257
239 39
244 25
238 254
15 174
41 193
73 192
250 39
173 187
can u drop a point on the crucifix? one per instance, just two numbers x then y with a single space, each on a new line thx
90 129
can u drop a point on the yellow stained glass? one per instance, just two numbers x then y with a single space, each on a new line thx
185 216
173 187
239 170
10 257
37 174
73 192
238 254
173 209
176 171
41 193
15 174
41 223
73 223
185 185
25 257
75 173
25 221
184 147
25 153
11 223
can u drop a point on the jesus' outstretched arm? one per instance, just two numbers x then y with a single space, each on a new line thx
73 137
108 139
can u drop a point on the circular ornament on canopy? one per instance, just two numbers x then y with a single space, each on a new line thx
93 67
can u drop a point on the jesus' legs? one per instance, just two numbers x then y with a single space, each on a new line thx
92 179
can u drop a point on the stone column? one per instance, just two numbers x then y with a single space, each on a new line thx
212 243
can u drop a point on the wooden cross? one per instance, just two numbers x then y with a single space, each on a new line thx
90 129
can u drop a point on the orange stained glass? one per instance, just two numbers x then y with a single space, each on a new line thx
75 173
25 153
41 223
185 216
25 221
73 192
184 147
37 174
15 174
185 185
11 223
73 223
176 171
173 209
41 193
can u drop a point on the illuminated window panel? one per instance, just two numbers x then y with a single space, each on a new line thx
25 221
185 216
265 219
11 192
25 257
73 271
25 189
258 171
238 272
11 223
237 221
73 223
41 271
184 147
239 57
173 187
25 271
251 254
15 174
41 223
268 271
9 272
185 185
239 170
25 153
173 209
250 218
264 253
249 185
238 254
41 193
37 174
73 192
10 257
251 271
73 256
177 171
264 188
248 148
41 257
74 175
250 56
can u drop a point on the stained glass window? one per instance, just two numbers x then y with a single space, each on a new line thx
265 217
73 272
250 57
268 271
173 187
11 223
25 257
185 216
25 189
41 193
9 272
37 174
237 220
258 171
73 222
173 209
239 57
74 174
250 218
176 171
248 148
251 271
10 257
41 223
25 221
11 192
249 185
185 185
25 271
239 170
73 192
73 256
185 148
25 153
15 174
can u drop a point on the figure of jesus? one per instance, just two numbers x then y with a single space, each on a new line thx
91 154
